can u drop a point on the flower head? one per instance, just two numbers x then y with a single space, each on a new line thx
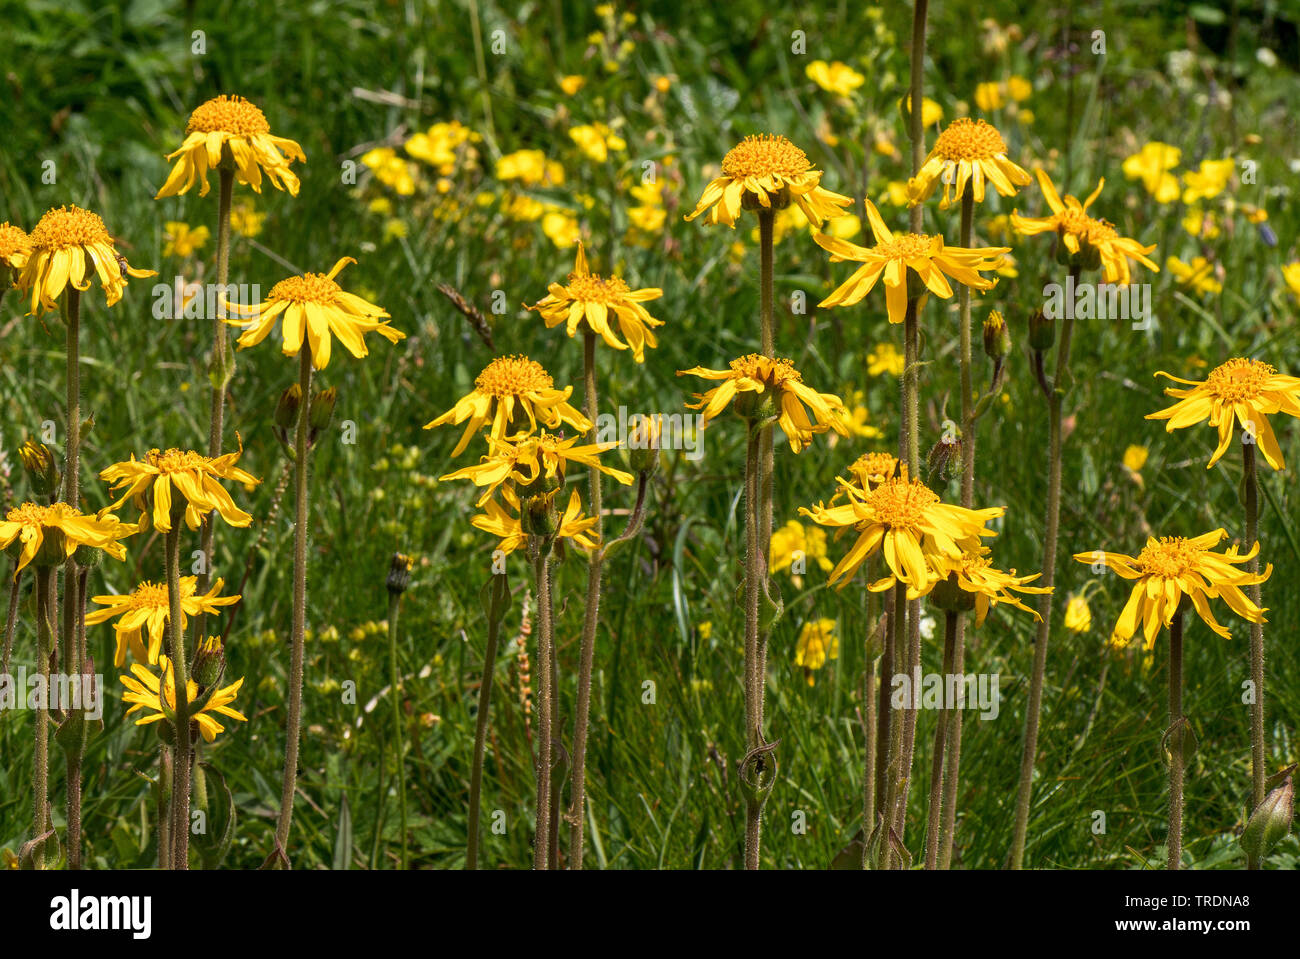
151 482
838 78
49 534
904 519
593 301
1172 567
144 611
1151 165
872 469
968 152
895 254
817 643
793 545
158 699
1078 615
974 574
314 306
15 246
1077 230
535 462
506 522
1241 391
767 171
68 245
512 385
754 376
230 129
1198 274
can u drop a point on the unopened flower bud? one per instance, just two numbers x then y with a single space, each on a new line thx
537 516
944 460
1270 822
997 338
322 409
950 597
209 662
643 444
42 469
1042 331
286 410
399 573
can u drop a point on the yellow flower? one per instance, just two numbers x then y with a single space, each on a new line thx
316 307
144 693
1075 228
968 151
15 245
1291 276
390 170
561 229
988 97
1208 180
231 128
857 423
893 256
571 84
885 358
705 630
531 168
245 220
1151 165
150 483
540 459
778 379
145 610
1201 224
67 245
817 643
437 146
931 112
1078 615
1135 457
871 469
1018 88
974 573
182 240
1172 567
596 141
1239 391
792 538
647 219
49 534
766 171
592 298
507 524
904 520
513 385
838 78
1199 274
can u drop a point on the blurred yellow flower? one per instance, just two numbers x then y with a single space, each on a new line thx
1199 274
988 97
1291 276
245 220
15 245
1200 223
596 140
531 168
838 78
1151 165
886 358
793 546
931 112
1208 180
390 169
561 229
571 84
1135 457
817 643
437 146
1078 615
1018 88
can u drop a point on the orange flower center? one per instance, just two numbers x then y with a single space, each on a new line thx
1239 379
766 155
149 596
901 504
1074 220
225 114
908 246
177 461
773 372
592 288
877 467
1168 558
968 139
513 376
308 288
69 226
13 240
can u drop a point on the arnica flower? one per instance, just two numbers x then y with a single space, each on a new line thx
15 246
1208 180
315 306
974 574
1198 274
778 379
184 240
838 78
893 255
871 469
1240 391
793 546
592 298
967 152
904 519
817 643
1291 276
507 524
158 699
144 613
886 358
1078 615
1172 567
535 460
508 386
49 534
767 171
1151 165
151 482
231 128
1076 229
67 246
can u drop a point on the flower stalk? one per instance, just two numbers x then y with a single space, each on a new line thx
545 692
934 823
41 753
1257 760
1176 735
180 824
496 600
397 580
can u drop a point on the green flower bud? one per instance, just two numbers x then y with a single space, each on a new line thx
42 469
399 573
1042 331
1270 822
997 338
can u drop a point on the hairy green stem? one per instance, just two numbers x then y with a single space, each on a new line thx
753 574
545 642
934 822
395 686
952 767
180 671
500 591
1257 760
41 750
766 457
1176 731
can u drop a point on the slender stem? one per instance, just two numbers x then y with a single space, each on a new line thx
916 99
72 461
545 640
1176 741
967 384
496 613
934 823
893 763
910 716
164 806
11 620
766 457
395 685
557 783
1060 383
301 519
180 672
41 751
753 574
218 373
952 769
78 671
590 624
869 723
1257 760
